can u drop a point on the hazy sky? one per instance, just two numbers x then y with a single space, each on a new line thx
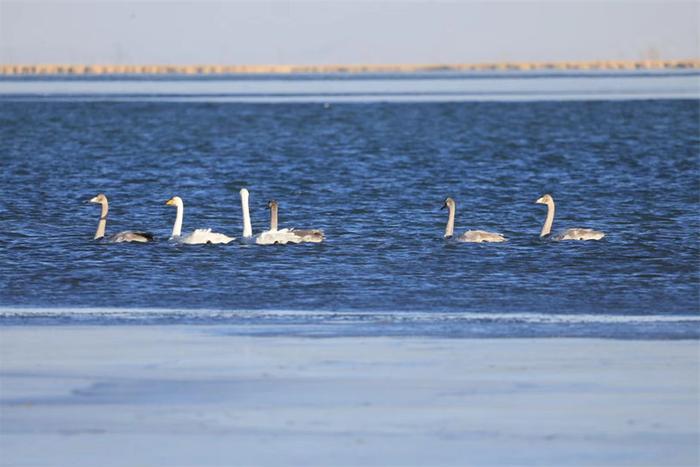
322 32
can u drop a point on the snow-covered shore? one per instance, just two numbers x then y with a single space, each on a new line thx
198 395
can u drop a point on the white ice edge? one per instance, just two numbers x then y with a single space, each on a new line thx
504 89
340 316
179 395
592 83
363 99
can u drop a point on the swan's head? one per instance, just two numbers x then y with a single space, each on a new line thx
101 198
174 201
449 203
271 204
546 199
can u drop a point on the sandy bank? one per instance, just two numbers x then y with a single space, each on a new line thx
128 395
220 69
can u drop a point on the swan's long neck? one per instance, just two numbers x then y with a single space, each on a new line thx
102 225
247 227
273 218
177 227
547 227
450 228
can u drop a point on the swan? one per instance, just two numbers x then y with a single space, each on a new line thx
126 236
472 236
568 234
199 236
274 236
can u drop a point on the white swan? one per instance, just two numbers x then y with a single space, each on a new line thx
568 234
284 236
473 236
199 236
126 236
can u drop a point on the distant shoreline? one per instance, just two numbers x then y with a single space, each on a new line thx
106 69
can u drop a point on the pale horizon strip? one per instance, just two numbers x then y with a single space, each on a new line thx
394 316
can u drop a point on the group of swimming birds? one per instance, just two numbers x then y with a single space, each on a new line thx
201 236
275 236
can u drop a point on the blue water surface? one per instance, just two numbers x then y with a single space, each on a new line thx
373 176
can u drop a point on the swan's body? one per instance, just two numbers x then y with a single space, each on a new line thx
200 236
129 236
568 234
471 236
284 236
197 237
478 236
579 234
126 236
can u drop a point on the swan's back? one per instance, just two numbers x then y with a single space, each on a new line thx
200 236
309 235
284 236
479 236
272 237
579 234
129 236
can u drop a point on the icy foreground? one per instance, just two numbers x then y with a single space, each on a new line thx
178 395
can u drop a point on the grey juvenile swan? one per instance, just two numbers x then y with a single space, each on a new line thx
472 236
126 236
274 236
568 234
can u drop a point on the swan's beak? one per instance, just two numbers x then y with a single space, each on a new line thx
170 202
93 200
540 200
444 205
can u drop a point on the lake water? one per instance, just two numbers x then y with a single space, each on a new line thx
370 160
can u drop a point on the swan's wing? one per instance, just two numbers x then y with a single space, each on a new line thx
200 236
479 236
129 236
580 234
